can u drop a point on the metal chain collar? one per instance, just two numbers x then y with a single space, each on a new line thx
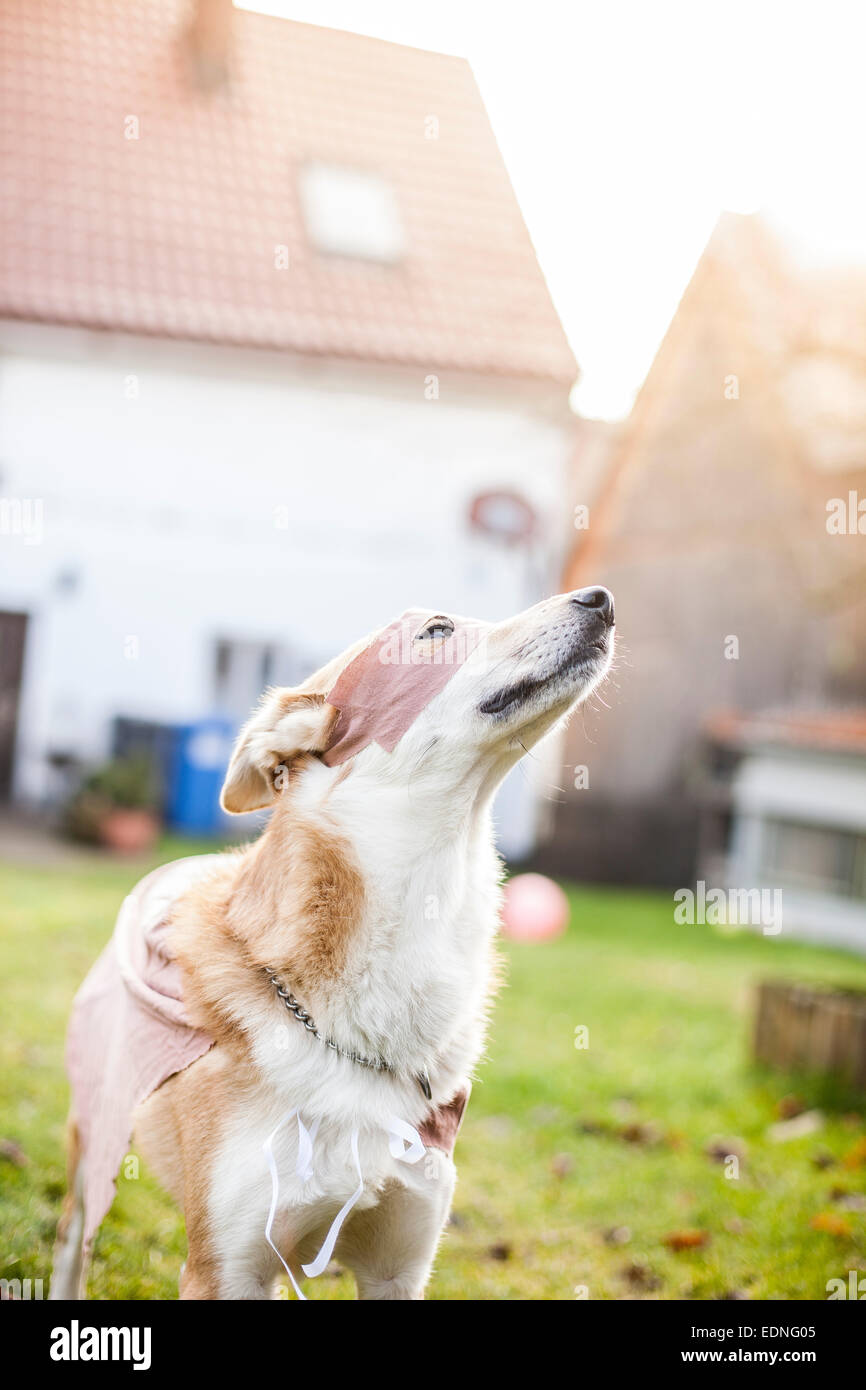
372 1063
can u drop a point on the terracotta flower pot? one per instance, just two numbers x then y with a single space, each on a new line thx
129 831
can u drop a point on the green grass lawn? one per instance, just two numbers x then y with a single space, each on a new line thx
561 1147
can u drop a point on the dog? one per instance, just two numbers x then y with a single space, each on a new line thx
336 975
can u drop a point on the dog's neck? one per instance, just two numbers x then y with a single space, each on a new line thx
378 907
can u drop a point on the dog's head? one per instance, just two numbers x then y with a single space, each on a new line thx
477 697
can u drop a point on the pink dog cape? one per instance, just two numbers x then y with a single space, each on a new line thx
382 692
129 1032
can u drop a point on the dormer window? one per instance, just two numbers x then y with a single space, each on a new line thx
351 212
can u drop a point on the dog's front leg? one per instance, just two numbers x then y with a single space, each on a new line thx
224 1263
199 1280
390 1248
203 1278
70 1262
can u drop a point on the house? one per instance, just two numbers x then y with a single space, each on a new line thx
277 361
785 809
729 520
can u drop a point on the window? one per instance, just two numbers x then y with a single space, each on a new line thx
815 858
242 669
350 212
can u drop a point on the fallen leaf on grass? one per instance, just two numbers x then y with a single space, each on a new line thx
851 1201
790 1106
617 1235
648 1134
720 1150
831 1224
856 1157
500 1251
822 1161
562 1165
13 1153
807 1123
594 1127
643 1132
640 1276
686 1240
735 1226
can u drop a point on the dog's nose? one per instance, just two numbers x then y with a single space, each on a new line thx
597 598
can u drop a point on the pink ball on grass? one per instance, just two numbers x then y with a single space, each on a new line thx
535 908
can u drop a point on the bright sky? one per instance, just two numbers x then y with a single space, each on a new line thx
627 125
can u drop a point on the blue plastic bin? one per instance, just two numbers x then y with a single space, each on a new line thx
201 755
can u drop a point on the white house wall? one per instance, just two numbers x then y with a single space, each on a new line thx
191 492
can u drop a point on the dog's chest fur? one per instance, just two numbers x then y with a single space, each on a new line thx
414 983
418 971
414 907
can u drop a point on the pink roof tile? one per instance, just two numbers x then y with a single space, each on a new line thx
174 233
828 729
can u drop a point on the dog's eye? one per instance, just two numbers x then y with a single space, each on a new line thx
437 627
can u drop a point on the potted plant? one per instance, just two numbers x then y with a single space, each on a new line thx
117 805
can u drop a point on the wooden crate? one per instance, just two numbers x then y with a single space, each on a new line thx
802 1027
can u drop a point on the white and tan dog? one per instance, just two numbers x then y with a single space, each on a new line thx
373 896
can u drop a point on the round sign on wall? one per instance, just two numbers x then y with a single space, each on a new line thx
503 515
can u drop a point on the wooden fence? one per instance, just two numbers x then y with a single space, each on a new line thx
812 1028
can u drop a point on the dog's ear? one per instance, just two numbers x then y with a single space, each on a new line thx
286 724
